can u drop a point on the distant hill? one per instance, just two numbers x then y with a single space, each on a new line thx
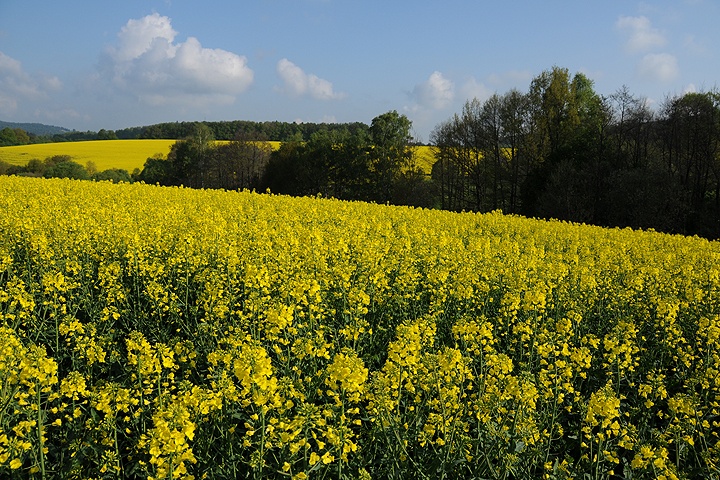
35 128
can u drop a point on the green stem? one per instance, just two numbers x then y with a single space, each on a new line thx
40 435
597 463
407 455
342 434
57 335
554 416
258 471
118 466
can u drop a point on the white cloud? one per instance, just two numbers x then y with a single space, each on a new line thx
695 46
16 85
474 89
641 35
661 67
138 36
148 63
297 82
436 92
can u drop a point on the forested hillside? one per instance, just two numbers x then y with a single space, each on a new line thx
39 129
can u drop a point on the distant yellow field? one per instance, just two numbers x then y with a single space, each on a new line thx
105 154
424 158
127 154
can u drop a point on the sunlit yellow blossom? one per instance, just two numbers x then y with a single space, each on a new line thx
176 333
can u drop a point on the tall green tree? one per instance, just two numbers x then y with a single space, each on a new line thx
157 170
8 137
283 169
554 112
514 119
631 131
447 175
691 153
190 158
479 154
576 174
390 136
106 135
239 164
462 144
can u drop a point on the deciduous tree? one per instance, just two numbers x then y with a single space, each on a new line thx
390 136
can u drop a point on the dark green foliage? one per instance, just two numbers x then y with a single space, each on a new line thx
271 131
390 153
373 165
75 136
55 159
199 162
413 188
66 169
106 135
13 136
114 175
563 151
156 170
4 168
35 129
283 170
36 166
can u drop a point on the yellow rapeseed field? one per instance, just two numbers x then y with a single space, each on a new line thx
150 332
105 154
128 154
424 158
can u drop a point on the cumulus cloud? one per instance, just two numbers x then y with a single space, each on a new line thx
474 89
298 83
138 36
695 46
661 67
641 34
436 92
17 85
148 62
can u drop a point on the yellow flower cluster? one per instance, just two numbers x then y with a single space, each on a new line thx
169 333
28 379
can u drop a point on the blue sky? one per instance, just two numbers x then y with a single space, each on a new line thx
91 65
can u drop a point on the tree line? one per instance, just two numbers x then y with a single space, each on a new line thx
223 130
15 136
10 136
356 162
562 151
63 166
230 130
